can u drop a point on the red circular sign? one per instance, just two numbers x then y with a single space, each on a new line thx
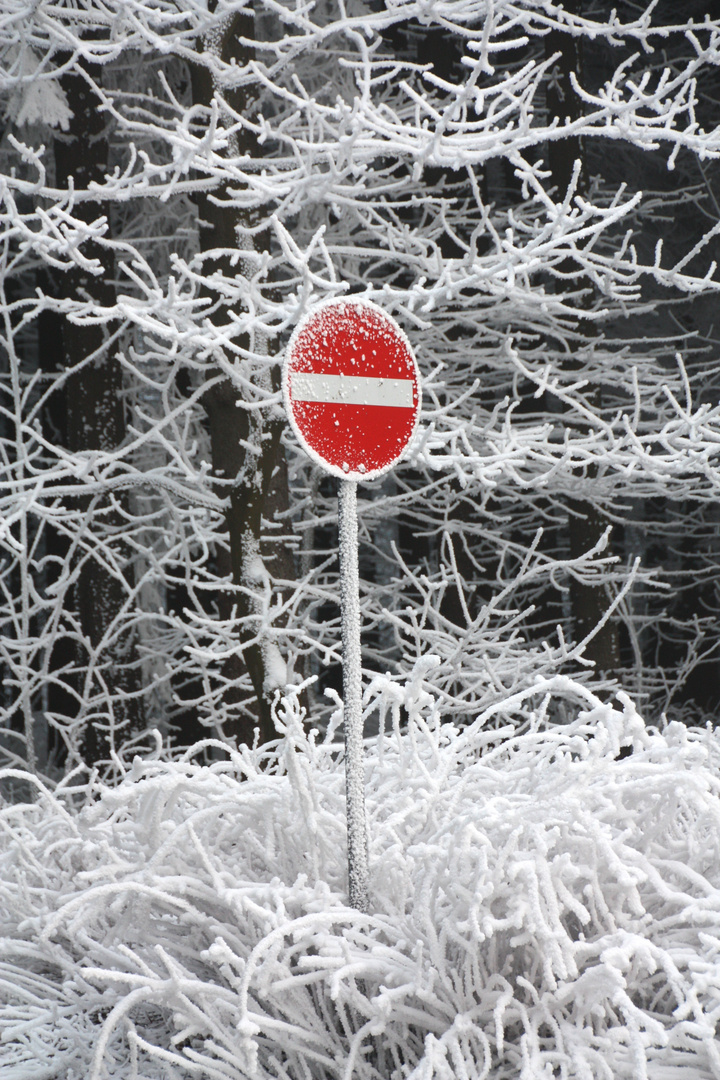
351 388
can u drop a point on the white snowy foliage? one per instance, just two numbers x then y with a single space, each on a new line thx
360 168
538 907
36 99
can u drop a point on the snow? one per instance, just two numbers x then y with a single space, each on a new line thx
341 122
538 907
531 905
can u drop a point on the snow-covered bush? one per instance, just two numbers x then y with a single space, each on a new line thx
540 906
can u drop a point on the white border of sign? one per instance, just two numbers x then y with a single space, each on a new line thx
335 470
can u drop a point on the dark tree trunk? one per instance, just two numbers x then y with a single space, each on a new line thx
95 412
586 524
255 484
62 688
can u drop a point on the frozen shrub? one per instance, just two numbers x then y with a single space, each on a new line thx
540 907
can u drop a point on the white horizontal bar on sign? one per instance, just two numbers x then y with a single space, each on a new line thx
351 390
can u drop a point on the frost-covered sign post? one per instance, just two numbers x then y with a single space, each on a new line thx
353 397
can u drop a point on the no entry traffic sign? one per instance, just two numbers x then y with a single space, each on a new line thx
353 397
351 388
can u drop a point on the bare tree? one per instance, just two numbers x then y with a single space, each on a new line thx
96 422
247 454
244 163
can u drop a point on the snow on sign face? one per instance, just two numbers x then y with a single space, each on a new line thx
351 388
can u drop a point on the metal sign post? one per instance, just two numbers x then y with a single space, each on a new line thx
352 696
352 393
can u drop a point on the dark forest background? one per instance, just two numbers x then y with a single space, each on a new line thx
533 192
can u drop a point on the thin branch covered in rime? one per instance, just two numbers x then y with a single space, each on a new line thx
346 158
